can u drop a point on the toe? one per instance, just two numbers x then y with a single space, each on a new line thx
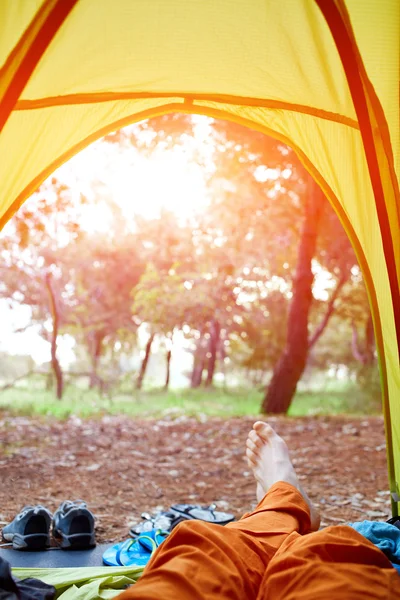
255 438
263 430
252 446
251 457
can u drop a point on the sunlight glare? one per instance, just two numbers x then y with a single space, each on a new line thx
166 180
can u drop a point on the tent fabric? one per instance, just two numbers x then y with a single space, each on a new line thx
322 75
84 583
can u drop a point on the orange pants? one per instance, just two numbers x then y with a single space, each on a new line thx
268 554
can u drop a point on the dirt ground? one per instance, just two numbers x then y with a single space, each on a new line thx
122 467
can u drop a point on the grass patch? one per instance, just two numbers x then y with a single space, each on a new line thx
343 399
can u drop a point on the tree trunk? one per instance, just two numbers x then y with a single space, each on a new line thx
49 382
197 373
95 345
364 355
215 332
330 309
145 361
198 364
55 365
168 364
369 341
292 362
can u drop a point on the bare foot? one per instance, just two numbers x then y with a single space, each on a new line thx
268 457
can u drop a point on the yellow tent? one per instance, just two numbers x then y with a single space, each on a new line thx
321 75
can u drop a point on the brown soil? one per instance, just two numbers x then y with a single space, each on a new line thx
122 467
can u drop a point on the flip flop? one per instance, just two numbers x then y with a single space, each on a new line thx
202 513
152 539
167 520
161 520
134 551
394 521
126 553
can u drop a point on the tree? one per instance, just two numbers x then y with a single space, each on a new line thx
249 280
145 361
160 296
41 228
259 201
291 364
257 152
55 317
165 301
102 272
74 281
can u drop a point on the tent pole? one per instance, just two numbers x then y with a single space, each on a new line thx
30 48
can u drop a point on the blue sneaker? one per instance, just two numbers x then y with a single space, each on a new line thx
30 529
73 525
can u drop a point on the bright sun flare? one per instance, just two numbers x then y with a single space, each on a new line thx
139 184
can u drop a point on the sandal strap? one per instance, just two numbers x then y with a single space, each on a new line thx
125 547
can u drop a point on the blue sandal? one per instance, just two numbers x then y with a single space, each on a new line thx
134 551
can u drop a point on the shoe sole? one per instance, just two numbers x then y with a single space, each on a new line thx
33 541
75 541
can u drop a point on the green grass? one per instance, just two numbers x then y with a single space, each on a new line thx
343 399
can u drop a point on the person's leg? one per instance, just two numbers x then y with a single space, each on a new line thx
201 560
336 562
